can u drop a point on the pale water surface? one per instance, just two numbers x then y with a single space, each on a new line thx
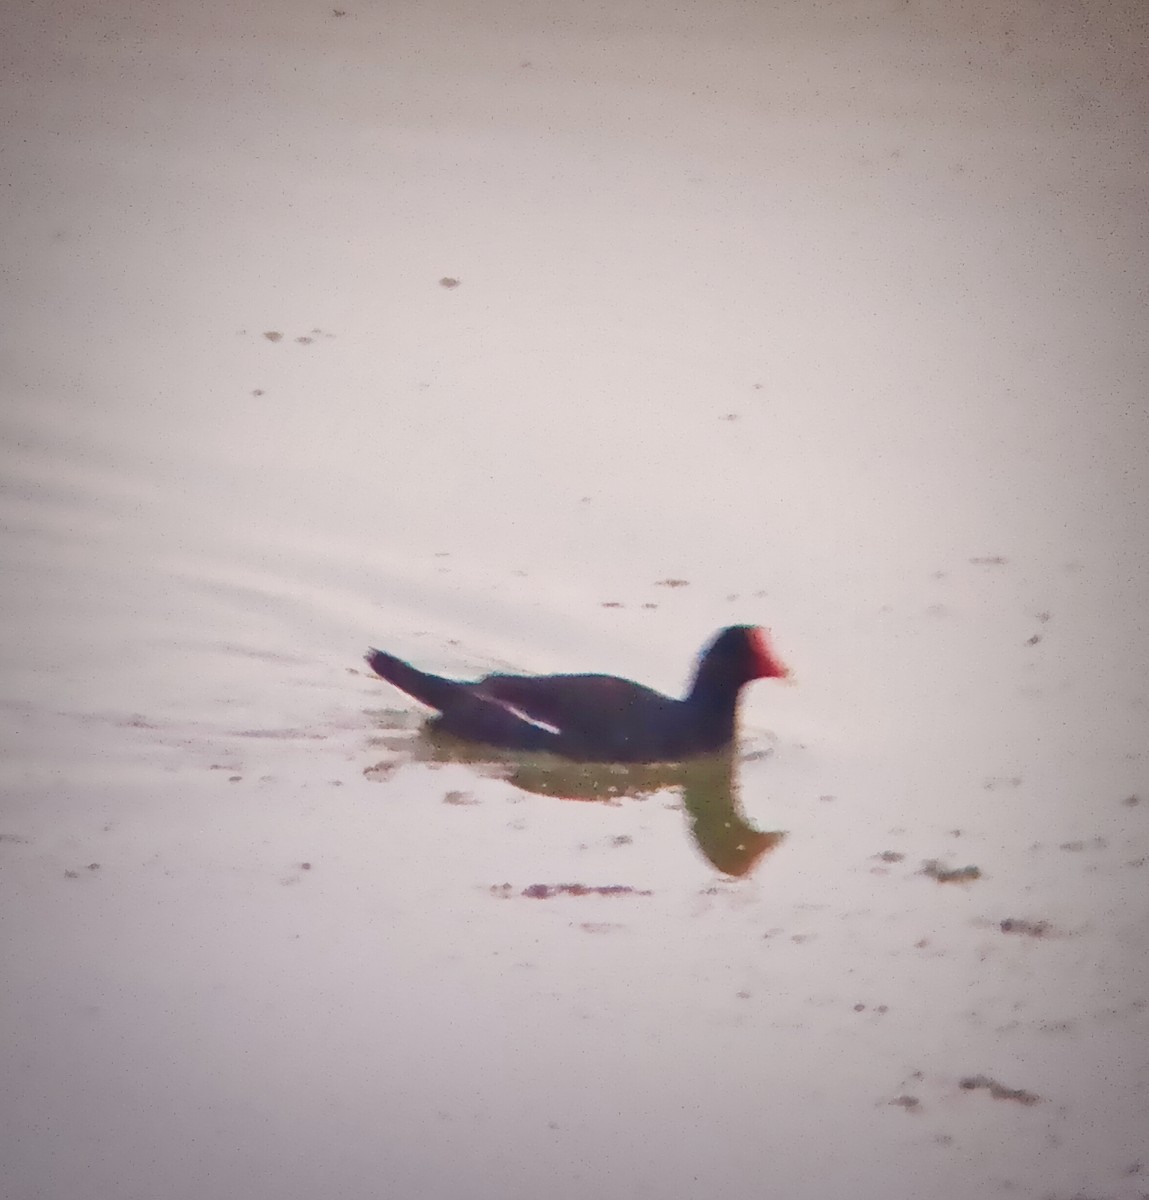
555 338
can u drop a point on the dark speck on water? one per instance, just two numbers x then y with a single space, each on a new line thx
1096 843
998 1091
544 891
1029 928
935 870
458 797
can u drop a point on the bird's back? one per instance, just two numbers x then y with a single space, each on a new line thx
603 713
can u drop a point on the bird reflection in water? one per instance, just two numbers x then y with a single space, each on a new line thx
723 835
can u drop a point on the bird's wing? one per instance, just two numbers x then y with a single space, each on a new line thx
575 703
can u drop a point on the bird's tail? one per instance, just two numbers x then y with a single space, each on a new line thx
432 690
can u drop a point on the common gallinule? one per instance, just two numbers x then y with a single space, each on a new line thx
597 718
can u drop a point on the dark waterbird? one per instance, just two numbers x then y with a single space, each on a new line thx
597 718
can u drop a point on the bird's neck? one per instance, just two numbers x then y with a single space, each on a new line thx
714 701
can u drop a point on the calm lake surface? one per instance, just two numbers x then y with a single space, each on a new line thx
516 337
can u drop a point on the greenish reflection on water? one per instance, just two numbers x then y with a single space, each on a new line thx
707 786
